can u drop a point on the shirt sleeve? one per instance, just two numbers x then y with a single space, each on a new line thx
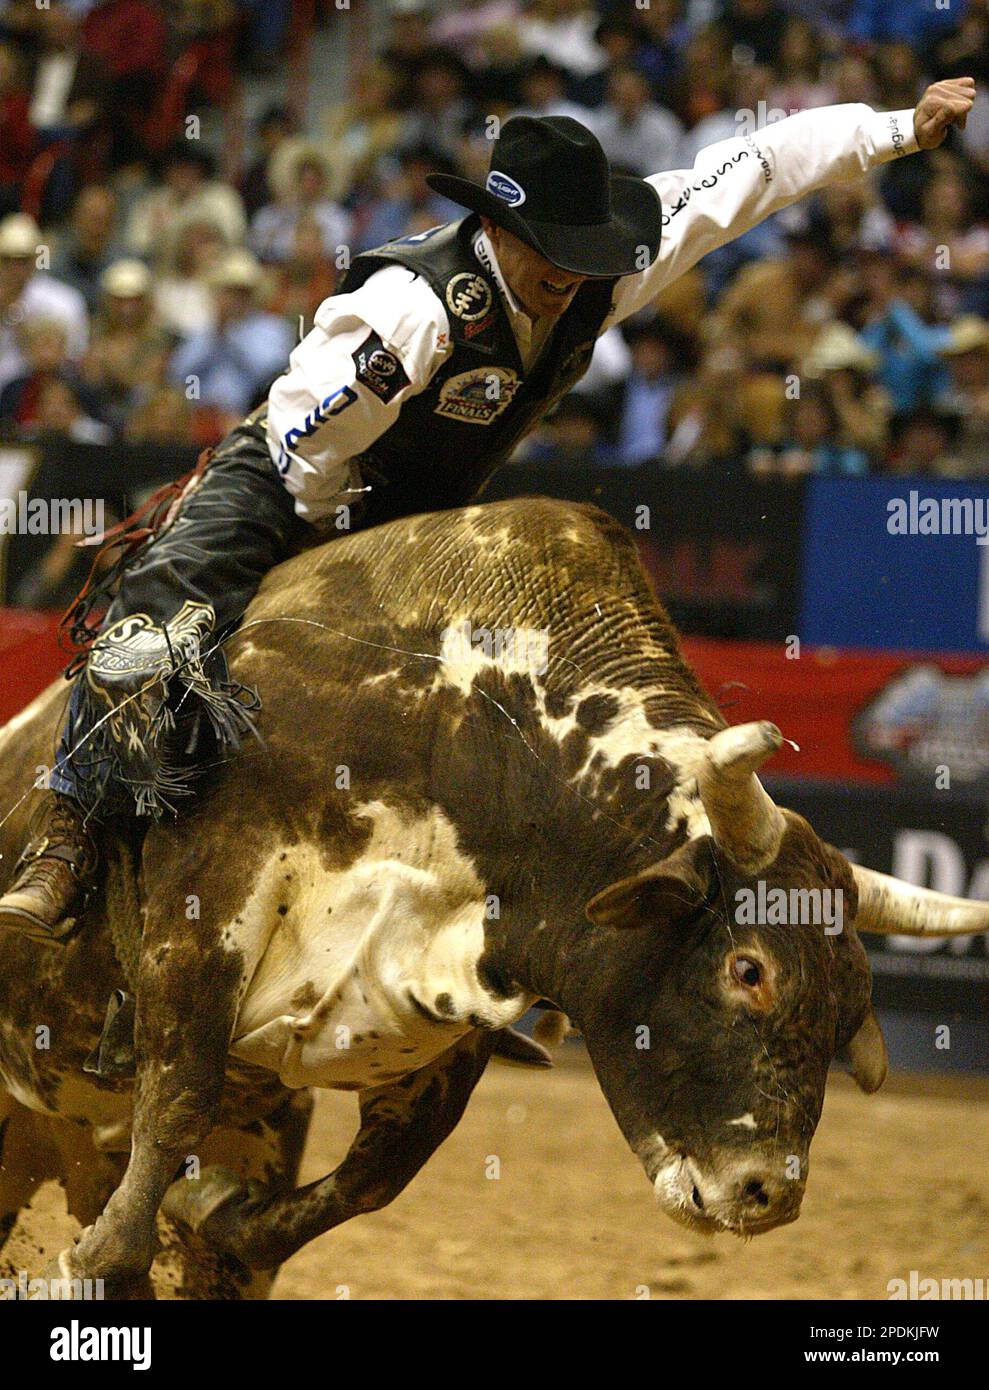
367 354
737 183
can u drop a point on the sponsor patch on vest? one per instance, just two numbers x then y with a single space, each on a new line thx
505 188
379 369
469 296
479 396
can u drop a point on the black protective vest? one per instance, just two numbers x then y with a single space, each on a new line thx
449 439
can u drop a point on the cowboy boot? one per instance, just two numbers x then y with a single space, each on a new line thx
54 875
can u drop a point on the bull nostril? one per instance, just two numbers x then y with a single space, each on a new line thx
755 1192
697 1199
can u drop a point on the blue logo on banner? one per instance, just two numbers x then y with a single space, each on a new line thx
505 188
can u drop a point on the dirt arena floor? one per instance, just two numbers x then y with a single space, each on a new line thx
899 1181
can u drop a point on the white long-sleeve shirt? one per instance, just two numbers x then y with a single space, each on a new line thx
320 416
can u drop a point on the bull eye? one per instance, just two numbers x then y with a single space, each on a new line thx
747 971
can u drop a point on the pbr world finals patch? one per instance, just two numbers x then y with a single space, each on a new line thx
924 720
479 396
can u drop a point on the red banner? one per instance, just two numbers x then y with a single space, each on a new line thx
815 697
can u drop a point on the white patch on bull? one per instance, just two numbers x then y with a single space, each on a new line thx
375 948
467 649
745 1121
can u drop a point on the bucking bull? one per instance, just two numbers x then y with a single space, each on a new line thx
432 834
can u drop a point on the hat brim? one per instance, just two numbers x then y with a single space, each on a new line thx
627 243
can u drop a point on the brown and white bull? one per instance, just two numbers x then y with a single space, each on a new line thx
485 778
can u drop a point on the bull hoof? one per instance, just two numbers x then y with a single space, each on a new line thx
65 1283
192 1202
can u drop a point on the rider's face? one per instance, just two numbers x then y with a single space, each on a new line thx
543 290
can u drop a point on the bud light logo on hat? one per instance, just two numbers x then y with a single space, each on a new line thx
505 188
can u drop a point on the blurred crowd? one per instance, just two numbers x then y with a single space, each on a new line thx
149 292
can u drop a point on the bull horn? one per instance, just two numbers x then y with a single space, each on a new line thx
746 824
892 907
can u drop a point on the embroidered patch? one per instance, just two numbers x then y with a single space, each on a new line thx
505 188
379 369
469 296
478 397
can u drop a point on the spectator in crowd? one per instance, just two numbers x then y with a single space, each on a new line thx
543 92
128 353
798 84
61 413
755 29
226 366
190 193
42 343
128 37
635 132
441 104
812 442
305 279
268 24
68 91
275 126
27 293
664 35
917 23
563 30
410 45
90 243
165 418
17 135
923 446
182 293
949 243
845 368
407 204
705 423
648 394
773 310
705 101
901 332
572 438
465 27
967 399
365 127
302 194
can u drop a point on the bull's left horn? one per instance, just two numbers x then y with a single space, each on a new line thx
890 906
746 823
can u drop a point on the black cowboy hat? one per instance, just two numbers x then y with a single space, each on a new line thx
550 185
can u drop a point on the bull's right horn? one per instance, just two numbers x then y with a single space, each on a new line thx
890 906
746 823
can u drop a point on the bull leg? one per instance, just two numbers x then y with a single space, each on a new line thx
267 1151
187 999
401 1126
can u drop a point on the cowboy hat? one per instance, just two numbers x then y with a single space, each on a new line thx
550 185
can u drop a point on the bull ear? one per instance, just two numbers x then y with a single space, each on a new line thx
668 891
866 1054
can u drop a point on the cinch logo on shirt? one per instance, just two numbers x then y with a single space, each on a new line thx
323 412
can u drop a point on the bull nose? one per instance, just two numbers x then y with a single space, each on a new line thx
756 1197
763 1197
